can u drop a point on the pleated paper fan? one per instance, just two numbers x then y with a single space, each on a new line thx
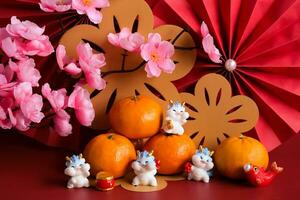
263 38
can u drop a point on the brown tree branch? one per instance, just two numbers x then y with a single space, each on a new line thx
123 71
177 36
185 48
96 92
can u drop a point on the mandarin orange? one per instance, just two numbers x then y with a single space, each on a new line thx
136 117
109 152
173 151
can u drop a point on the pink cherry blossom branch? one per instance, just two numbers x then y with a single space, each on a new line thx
20 107
209 46
88 64
154 47
24 109
96 92
90 8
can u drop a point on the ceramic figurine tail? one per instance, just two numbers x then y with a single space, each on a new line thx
276 168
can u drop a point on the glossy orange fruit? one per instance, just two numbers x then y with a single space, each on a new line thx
234 152
111 153
136 117
173 151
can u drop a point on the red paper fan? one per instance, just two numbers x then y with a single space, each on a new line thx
263 37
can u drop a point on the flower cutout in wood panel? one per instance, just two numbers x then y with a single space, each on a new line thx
215 114
262 38
124 70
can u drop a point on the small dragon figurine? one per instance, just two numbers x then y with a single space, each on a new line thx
78 170
176 116
201 166
145 167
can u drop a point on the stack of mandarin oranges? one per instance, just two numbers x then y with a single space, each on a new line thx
140 118
137 118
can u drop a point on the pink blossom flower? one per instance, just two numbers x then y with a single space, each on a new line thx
126 40
90 64
6 76
23 39
6 72
2 114
20 49
22 91
5 105
158 55
25 29
8 102
26 71
6 124
31 108
30 104
208 45
66 63
80 101
204 29
58 100
3 33
62 123
13 49
89 7
18 120
55 5
41 47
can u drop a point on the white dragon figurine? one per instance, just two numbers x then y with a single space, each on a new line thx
176 116
78 170
145 168
201 166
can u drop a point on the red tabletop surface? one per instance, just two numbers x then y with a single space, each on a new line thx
29 170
